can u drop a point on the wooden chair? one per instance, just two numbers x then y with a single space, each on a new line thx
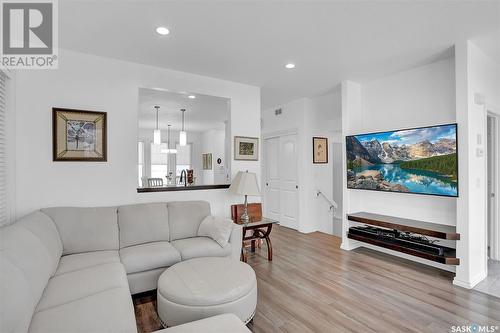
155 182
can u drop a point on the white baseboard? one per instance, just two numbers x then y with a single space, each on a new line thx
307 230
350 245
472 283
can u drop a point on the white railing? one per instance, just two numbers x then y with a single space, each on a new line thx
332 203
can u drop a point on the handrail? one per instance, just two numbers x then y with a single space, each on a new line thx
333 204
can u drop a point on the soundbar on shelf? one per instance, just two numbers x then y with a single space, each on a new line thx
406 236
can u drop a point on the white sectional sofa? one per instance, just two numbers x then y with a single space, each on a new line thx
74 269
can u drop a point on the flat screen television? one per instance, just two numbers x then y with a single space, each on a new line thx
417 160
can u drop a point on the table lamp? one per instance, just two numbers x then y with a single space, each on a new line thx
245 183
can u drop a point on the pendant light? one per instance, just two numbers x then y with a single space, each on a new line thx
182 133
169 150
157 132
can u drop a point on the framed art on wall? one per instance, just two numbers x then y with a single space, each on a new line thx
320 150
246 148
207 161
79 135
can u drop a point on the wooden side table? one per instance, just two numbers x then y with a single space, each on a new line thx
258 230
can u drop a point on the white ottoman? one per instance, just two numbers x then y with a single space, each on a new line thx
204 287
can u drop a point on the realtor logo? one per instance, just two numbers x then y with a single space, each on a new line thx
29 34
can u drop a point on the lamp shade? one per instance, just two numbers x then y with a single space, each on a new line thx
245 183
157 137
182 138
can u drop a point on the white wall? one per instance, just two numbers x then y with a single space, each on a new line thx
95 83
324 119
476 75
315 116
417 97
10 144
213 141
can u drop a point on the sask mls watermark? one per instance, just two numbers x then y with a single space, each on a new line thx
29 34
474 328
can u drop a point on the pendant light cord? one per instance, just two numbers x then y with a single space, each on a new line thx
183 110
168 142
156 107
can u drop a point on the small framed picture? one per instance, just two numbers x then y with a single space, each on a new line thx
207 161
78 135
320 150
246 148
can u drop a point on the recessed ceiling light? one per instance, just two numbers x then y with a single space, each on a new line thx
162 31
290 66
191 96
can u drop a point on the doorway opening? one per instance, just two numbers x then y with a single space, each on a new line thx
493 175
491 285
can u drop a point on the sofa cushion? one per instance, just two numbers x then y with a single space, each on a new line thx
15 314
200 247
144 281
86 229
217 228
110 311
75 262
29 254
184 218
44 228
71 286
143 223
144 257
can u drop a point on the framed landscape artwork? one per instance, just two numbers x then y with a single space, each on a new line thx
246 148
320 150
207 161
78 135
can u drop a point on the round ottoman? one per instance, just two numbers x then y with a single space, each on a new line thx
204 287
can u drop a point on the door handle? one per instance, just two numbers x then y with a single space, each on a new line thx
297 187
267 184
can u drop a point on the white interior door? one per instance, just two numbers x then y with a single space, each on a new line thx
272 195
281 199
288 181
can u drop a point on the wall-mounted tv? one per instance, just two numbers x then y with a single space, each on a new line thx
418 160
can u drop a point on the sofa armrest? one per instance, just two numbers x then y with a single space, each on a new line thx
236 240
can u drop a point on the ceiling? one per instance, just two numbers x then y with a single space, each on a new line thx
251 41
202 114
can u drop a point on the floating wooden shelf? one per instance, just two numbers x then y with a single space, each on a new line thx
378 237
414 226
449 257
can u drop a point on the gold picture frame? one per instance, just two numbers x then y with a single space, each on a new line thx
79 135
246 148
207 161
320 150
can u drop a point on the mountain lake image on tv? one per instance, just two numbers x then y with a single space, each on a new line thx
419 160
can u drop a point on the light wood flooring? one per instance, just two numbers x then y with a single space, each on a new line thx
313 286
491 285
